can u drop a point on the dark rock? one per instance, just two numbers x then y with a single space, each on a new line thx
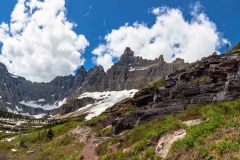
215 78
143 100
73 105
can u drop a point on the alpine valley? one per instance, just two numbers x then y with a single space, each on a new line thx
138 110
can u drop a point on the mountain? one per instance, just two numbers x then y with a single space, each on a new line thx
191 114
19 95
130 73
214 78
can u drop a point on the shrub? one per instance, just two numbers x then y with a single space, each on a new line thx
50 134
158 83
202 80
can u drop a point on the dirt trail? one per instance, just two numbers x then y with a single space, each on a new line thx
89 151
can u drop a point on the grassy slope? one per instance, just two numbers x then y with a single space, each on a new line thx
217 138
61 147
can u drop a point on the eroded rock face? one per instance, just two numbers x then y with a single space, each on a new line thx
73 106
215 78
129 73
14 89
132 73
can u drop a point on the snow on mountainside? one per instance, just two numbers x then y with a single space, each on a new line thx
105 100
102 101
20 96
34 104
60 103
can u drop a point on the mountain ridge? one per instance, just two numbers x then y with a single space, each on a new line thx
19 95
214 78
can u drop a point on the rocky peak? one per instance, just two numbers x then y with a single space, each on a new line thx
82 68
129 73
127 57
128 52
97 68
81 72
161 58
96 71
178 60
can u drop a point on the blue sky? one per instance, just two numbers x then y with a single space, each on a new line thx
95 18
110 14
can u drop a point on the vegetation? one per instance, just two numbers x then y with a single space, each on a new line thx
50 134
208 140
202 80
235 49
107 131
12 115
50 142
158 83
216 138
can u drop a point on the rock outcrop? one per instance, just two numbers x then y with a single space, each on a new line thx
164 143
215 78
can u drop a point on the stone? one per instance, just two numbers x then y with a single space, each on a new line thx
165 142
193 122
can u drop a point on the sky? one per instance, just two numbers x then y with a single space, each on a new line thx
42 39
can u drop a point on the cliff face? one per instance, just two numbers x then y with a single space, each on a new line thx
20 95
216 78
128 73
134 72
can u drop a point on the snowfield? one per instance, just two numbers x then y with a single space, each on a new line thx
58 104
104 100
34 104
137 69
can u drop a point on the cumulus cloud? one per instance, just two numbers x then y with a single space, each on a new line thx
171 35
39 43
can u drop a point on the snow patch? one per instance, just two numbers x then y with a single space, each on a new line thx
41 100
60 103
9 139
104 100
12 111
9 132
86 107
14 76
137 69
39 116
18 109
34 104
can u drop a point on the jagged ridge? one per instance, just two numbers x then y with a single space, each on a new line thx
123 75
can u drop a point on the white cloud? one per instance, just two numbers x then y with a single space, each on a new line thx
156 11
171 35
39 43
